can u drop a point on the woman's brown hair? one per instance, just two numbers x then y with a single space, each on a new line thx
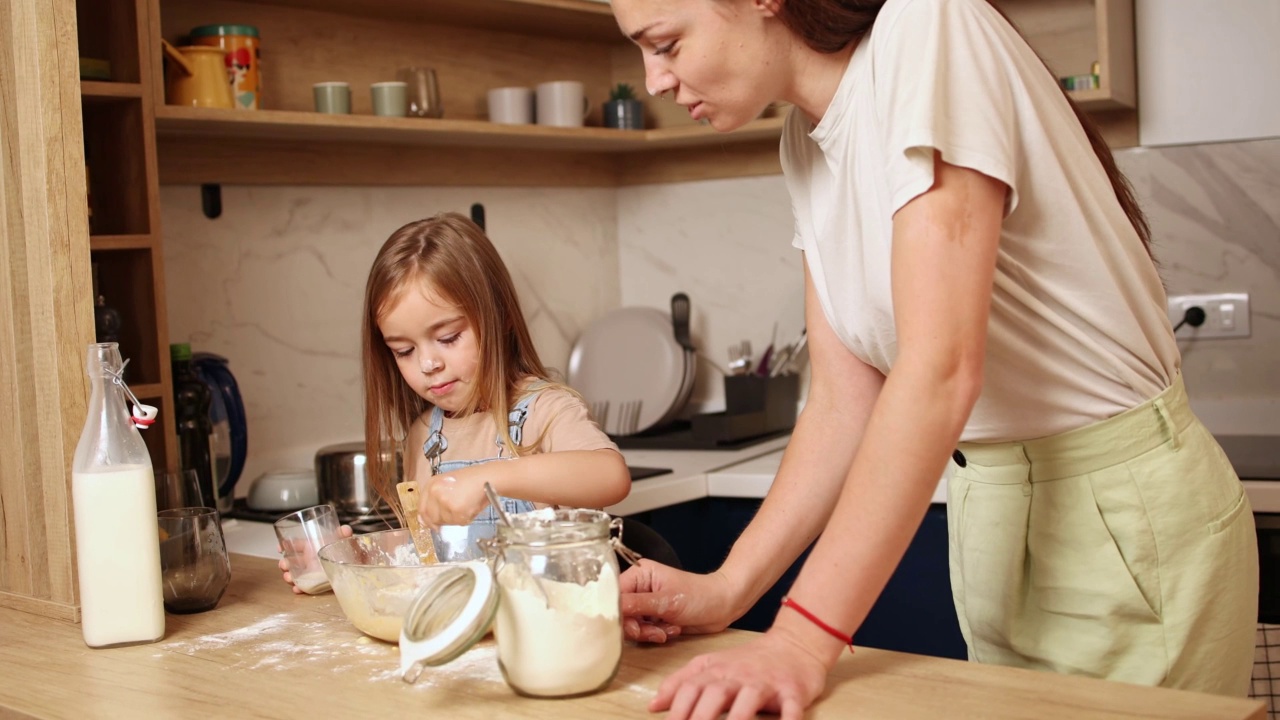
829 26
453 256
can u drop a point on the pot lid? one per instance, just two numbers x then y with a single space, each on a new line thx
447 617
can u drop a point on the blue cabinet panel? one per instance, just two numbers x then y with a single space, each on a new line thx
914 614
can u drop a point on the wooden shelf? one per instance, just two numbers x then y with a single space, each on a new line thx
109 90
576 19
148 391
176 121
119 242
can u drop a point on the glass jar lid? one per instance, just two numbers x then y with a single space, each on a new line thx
219 30
448 616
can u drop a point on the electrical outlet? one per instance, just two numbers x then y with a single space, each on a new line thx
1226 315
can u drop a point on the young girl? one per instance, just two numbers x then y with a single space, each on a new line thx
450 369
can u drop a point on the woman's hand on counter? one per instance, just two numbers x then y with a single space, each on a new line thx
284 564
773 673
659 601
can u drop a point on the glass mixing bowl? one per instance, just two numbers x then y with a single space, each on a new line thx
375 576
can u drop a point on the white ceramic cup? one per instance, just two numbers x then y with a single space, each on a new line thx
562 104
511 105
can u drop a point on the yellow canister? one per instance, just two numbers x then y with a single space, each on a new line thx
243 60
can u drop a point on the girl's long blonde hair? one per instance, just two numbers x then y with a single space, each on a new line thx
452 255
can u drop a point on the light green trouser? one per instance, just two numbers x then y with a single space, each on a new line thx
1123 550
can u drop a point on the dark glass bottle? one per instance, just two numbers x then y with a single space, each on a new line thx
191 398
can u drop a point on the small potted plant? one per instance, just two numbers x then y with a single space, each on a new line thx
623 110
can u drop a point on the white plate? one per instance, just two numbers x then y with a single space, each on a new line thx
630 369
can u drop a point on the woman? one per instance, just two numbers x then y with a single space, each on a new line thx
978 282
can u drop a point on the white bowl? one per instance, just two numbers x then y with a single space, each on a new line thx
375 576
284 490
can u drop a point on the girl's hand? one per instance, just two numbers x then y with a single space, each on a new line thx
284 564
659 601
773 673
453 499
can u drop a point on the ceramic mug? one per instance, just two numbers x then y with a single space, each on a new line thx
562 103
390 99
511 105
332 97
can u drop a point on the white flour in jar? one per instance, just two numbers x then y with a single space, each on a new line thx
569 648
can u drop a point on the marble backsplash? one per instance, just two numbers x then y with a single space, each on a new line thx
275 284
1215 221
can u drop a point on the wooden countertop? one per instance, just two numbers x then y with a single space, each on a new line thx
264 652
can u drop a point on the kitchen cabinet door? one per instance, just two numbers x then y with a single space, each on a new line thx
914 614
1207 70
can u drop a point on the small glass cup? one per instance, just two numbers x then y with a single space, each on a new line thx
423 91
194 567
302 534
178 489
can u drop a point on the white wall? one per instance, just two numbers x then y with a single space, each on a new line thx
1208 70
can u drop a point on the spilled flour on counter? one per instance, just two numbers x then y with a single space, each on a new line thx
479 665
283 643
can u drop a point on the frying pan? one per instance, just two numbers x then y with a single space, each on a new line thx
634 366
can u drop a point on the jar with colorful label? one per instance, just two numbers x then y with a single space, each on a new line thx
243 60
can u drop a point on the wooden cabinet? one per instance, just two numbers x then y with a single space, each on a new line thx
125 244
53 127
479 44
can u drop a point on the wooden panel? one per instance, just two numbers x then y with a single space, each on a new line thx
301 47
209 123
1070 35
199 160
97 89
577 19
125 280
161 438
46 316
333 130
1119 52
262 638
701 163
120 242
114 135
105 30
1119 128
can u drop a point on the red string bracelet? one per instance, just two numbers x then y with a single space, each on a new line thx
846 639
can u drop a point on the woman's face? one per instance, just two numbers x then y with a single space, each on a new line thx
434 346
718 58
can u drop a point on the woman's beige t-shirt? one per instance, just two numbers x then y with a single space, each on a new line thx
1078 329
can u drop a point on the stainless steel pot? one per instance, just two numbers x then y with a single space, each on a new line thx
342 481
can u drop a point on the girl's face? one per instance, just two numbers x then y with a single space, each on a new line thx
718 58
434 346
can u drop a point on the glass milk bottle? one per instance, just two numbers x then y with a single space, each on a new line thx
114 497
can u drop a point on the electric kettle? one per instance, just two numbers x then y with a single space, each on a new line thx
230 431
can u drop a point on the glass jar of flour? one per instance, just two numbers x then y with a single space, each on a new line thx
550 591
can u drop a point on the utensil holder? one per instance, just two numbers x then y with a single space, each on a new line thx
754 406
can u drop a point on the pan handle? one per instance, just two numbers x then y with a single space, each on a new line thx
680 320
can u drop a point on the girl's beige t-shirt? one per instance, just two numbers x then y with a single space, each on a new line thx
1078 329
556 415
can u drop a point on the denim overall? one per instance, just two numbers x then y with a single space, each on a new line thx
458 542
